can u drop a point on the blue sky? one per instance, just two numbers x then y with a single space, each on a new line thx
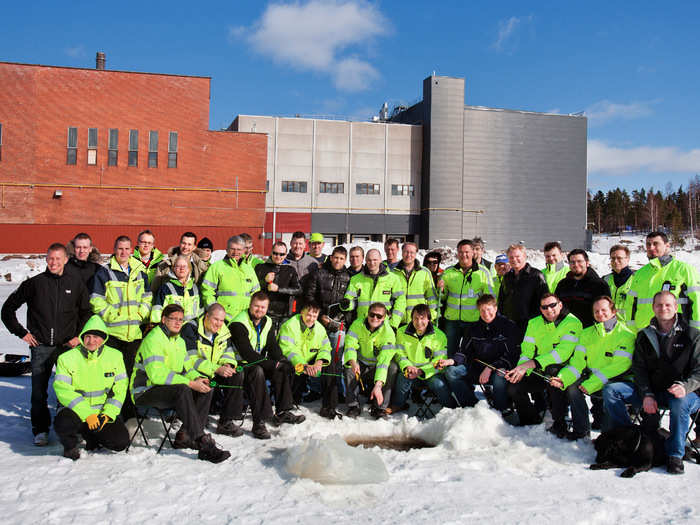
633 70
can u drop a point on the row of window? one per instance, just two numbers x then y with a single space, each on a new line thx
113 148
339 187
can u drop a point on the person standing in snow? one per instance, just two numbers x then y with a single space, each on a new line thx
281 283
555 268
581 287
391 249
620 279
85 259
57 308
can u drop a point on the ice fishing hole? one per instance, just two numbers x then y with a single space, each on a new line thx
403 443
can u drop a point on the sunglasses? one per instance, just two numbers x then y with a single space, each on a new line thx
548 306
375 315
279 254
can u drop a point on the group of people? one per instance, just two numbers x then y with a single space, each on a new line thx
175 330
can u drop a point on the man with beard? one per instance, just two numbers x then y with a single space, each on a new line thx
581 287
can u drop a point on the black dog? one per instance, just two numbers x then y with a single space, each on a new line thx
630 447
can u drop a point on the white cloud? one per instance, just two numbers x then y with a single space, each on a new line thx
320 35
604 158
75 51
507 32
604 111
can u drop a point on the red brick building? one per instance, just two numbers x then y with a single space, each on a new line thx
114 152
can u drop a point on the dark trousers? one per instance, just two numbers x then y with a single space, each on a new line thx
561 399
519 392
43 359
231 398
279 373
329 385
354 389
191 407
113 436
128 350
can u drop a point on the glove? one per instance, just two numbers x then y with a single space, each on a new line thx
96 422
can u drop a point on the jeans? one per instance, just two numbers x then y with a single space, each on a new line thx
43 359
461 382
454 330
436 384
616 395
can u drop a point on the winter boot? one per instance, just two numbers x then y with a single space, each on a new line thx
229 428
559 429
74 453
183 440
260 431
286 416
353 411
208 451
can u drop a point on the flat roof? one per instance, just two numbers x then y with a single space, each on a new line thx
484 108
104 70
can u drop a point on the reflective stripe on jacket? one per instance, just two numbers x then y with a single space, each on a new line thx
231 284
550 343
463 289
365 289
418 288
173 292
303 345
420 351
375 349
207 355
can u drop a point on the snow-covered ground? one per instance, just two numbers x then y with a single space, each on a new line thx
480 469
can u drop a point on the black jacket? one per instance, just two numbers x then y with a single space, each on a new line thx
57 307
288 281
519 296
497 343
239 337
85 269
327 286
654 371
578 296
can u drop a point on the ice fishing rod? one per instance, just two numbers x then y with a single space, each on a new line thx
240 368
299 369
498 370
214 384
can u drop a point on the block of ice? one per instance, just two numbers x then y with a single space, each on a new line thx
333 461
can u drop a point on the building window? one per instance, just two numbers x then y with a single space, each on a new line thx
133 147
152 149
72 155
92 147
267 185
403 189
113 149
332 187
367 189
172 150
293 186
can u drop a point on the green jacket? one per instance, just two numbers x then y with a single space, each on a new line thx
122 301
553 273
375 348
619 295
463 289
156 258
88 382
605 354
303 345
253 260
418 288
207 355
173 292
550 343
421 352
231 284
680 278
161 360
365 289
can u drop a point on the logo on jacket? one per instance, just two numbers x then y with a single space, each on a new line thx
428 353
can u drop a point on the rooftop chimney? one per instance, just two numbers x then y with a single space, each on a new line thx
100 61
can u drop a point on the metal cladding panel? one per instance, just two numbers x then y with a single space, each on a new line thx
527 171
365 223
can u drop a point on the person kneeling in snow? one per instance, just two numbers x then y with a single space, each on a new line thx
493 339
419 348
305 343
90 386
163 377
369 354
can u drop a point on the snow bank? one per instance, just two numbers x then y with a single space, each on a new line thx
333 461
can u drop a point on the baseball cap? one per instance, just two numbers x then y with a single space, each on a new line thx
502 258
316 237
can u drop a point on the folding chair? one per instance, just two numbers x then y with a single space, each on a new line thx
692 443
425 410
164 414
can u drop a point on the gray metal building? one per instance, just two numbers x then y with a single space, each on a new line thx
437 172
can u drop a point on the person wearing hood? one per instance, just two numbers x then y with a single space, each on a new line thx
90 386
57 308
461 285
416 282
148 254
662 273
281 283
548 344
375 284
180 289
84 257
187 247
619 280
230 281
204 250
555 268
581 287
